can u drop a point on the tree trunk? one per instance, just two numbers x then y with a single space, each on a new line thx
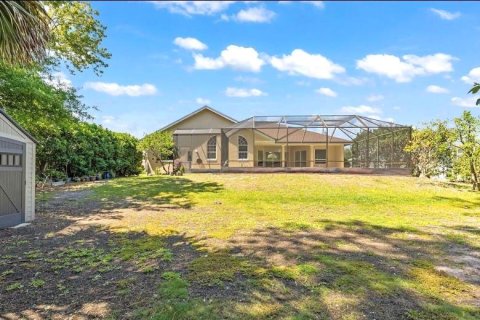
474 177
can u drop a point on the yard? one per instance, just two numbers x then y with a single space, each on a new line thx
288 246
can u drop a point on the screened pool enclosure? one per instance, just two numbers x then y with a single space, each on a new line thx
315 141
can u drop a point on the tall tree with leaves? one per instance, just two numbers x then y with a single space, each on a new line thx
430 149
76 36
159 145
24 32
467 137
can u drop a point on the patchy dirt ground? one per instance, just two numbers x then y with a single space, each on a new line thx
67 264
86 258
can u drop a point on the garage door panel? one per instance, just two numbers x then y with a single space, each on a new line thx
11 182
10 192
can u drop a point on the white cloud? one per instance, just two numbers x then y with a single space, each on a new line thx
57 79
469 102
235 57
189 8
254 14
436 89
431 64
114 89
351 81
190 43
361 109
202 101
375 97
473 76
243 93
303 63
446 15
406 68
326 92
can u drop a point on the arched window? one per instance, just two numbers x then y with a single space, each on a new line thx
242 148
212 148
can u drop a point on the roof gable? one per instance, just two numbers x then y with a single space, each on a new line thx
15 125
205 109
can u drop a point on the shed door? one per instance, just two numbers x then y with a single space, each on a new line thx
12 182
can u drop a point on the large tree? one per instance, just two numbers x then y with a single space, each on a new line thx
467 137
430 149
24 32
76 36
159 145
51 33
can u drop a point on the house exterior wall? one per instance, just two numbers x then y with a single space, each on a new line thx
205 119
233 160
9 130
197 145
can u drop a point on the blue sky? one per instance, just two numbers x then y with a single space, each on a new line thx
406 62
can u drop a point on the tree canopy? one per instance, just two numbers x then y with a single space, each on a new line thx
159 145
24 32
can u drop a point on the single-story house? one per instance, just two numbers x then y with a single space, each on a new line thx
17 173
208 140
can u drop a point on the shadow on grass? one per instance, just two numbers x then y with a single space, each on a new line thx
166 191
57 269
352 269
459 202
347 270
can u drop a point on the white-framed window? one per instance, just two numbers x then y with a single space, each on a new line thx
10 160
320 156
212 148
242 148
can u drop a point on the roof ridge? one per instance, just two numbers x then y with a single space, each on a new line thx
205 107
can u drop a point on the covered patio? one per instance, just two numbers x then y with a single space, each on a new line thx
315 141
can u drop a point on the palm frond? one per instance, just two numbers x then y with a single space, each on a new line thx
24 32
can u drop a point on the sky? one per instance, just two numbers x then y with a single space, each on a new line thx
406 62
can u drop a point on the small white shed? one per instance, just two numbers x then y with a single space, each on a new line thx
17 173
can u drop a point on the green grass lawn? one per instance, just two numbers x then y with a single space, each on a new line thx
305 246
247 246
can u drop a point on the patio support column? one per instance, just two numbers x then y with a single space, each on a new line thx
283 156
326 151
287 147
378 158
391 150
312 156
254 149
368 149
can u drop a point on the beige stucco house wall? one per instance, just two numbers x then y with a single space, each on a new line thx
191 135
193 132
12 131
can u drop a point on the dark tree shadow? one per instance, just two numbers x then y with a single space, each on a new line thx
56 269
360 260
348 269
